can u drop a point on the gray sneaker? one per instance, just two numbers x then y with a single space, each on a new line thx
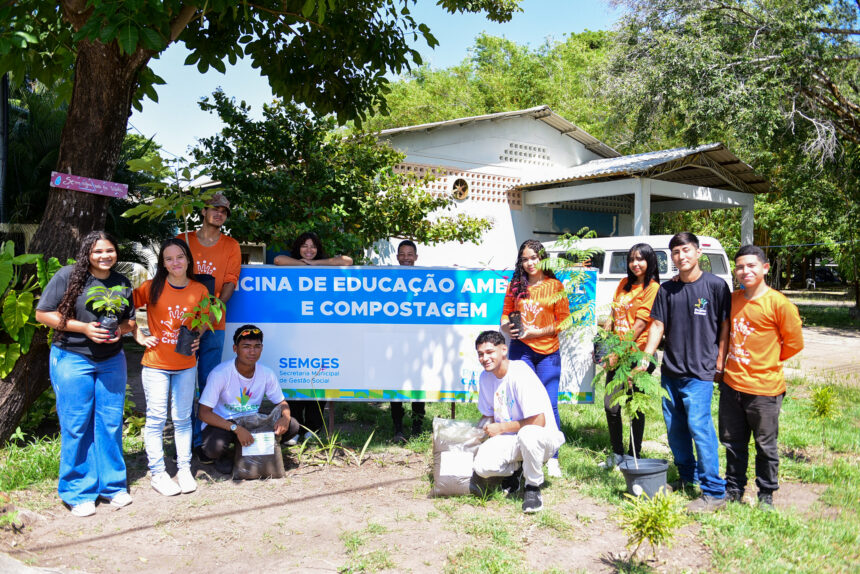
532 501
706 503
765 501
611 462
734 495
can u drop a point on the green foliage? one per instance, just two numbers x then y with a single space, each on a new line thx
108 300
570 267
43 408
134 421
291 172
822 407
25 464
18 290
206 314
651 519
347 78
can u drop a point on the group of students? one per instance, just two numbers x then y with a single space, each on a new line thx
88 367
737 340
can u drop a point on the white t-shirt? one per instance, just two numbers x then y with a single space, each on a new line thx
231 395
517 396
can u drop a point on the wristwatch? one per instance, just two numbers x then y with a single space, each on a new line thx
233 427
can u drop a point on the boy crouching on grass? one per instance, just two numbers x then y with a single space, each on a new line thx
765 332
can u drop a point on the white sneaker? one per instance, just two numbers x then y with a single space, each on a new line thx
552 468
293 441
186 480
121 499
83 509
611 462
163 484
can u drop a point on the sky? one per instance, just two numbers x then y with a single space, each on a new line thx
177 122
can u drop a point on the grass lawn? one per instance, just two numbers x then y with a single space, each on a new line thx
837 317
822 538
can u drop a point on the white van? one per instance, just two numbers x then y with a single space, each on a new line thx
612 262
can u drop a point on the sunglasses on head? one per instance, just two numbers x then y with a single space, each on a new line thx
247 332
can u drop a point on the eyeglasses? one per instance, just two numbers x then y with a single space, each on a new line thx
247 332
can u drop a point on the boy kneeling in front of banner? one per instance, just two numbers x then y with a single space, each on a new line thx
518 418
235 388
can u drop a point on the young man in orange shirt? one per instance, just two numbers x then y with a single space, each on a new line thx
217 256
765 332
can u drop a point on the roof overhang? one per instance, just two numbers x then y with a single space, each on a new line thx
540 113
710 165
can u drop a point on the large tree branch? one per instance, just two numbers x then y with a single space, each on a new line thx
182 19
841 31
76 12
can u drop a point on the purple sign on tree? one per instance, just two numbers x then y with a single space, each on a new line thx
87 185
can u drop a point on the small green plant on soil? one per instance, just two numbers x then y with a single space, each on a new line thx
206 314
823 407
107 300
651 519
636 390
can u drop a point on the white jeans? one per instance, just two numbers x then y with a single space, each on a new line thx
180 385
533 445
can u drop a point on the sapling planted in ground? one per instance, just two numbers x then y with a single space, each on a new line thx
653 519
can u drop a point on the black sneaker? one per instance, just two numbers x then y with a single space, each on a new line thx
706 503
765 501
511 484
224 465
532 501
201 456
478 485
734 495
399 438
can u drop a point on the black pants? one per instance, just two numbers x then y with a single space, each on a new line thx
217 441
397 412
742 414
310 413
615 423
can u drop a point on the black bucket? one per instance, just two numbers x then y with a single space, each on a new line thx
648 478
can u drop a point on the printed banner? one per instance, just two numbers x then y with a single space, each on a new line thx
388 333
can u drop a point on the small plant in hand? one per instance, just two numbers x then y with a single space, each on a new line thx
204 316
108 302
652 519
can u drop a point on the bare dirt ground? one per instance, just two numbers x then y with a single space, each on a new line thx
329 519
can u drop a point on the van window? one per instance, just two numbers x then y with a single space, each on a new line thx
595 261
713 263
618 263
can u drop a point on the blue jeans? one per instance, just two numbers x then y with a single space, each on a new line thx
208 357
157 384
546 367
90 399
687 413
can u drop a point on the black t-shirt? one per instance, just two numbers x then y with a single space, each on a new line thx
78 342
691 314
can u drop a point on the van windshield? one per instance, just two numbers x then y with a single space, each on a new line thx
618 263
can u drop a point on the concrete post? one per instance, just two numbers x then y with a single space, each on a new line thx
747 219
642 208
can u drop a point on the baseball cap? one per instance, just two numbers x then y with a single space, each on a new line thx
218 200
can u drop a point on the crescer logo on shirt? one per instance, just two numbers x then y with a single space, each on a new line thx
701 307
206 267
171 333
741 329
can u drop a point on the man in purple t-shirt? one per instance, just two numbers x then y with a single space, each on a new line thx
523 429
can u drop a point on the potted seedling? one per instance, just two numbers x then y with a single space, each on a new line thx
204 316
637 392
107 302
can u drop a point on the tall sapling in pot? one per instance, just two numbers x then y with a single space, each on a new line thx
107 302
204 316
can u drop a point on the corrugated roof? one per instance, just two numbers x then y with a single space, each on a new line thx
542 113
709 165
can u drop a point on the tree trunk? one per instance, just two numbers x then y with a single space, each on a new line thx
105 82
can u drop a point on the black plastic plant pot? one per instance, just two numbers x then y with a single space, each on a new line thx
516 321
207 280
645 475
184 340
110 323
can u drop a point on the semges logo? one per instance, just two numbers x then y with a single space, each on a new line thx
309 363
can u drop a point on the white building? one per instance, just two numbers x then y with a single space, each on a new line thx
535 174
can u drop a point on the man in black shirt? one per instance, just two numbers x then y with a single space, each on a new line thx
693 312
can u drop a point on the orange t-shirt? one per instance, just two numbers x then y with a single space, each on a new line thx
627 306
765 332
540 311
164 319
222 260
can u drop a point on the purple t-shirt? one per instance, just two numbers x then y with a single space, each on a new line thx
517 396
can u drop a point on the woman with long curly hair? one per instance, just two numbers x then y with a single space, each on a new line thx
88 374
631 317
538 298
166 373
